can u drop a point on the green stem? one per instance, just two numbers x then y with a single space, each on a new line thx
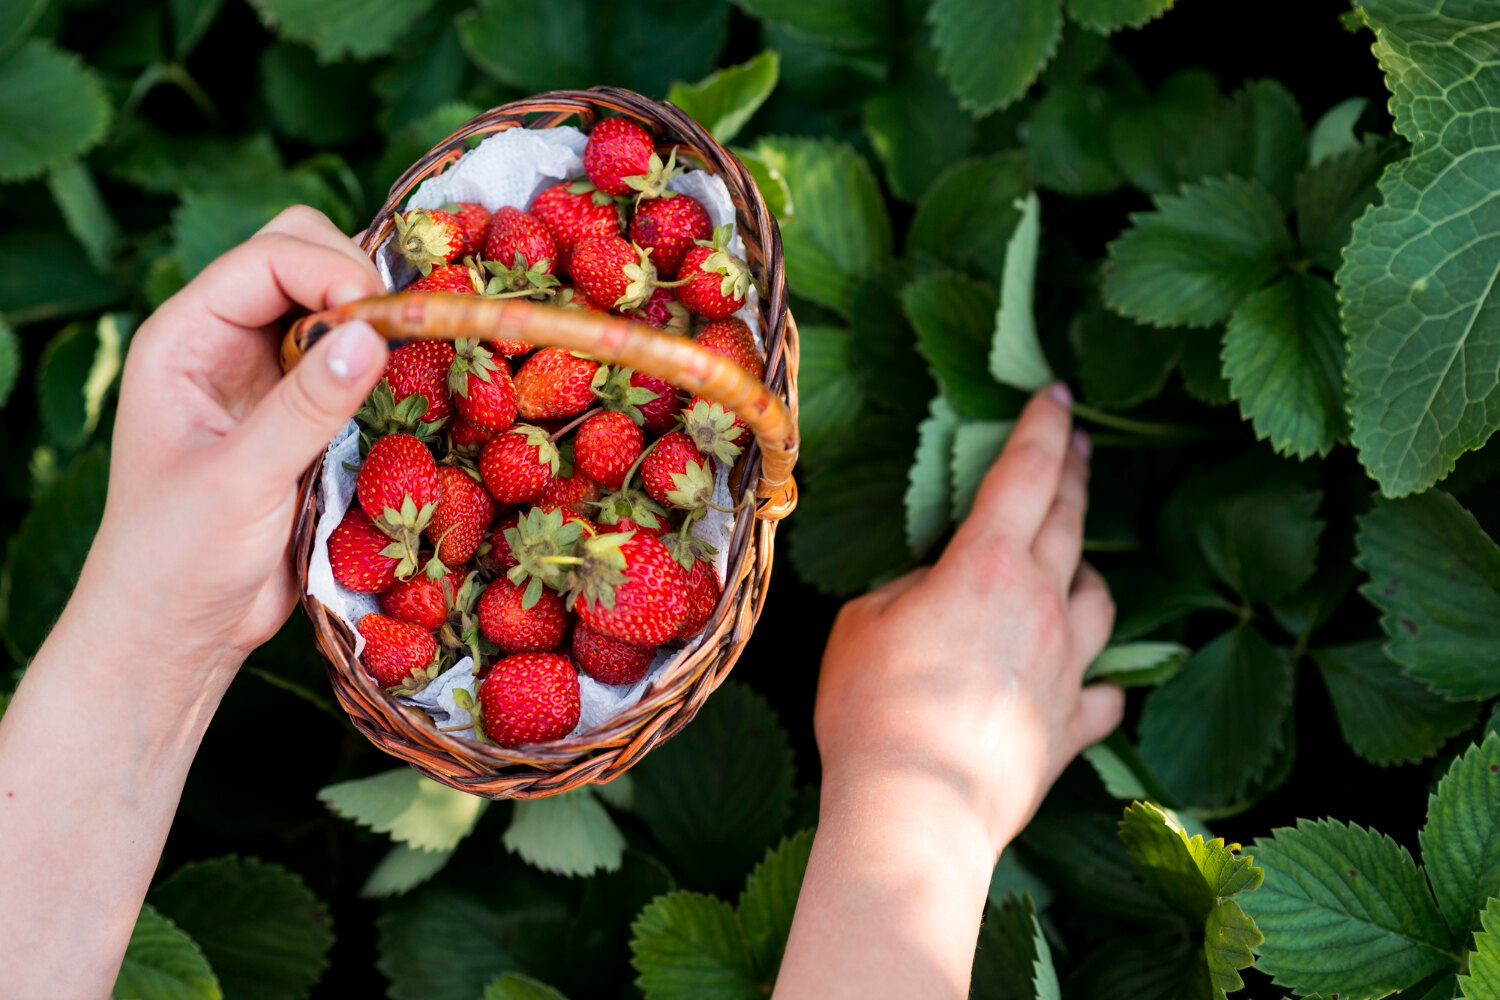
1111 545
1145 428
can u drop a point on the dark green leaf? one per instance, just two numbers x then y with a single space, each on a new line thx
1261 540
76 371
690 945
326 105
10 361
1067 140
16 20
968 214
992 52
830 397
1105 16
1082 857
955 319
1461 841
1010 947
1334 192
1263 137
83 209
209 222
1152 143
1385 716
412 141
1120 362
335 28
191 20
724 101
835 24
163 963
1147 598
164 163
597 940
917 129
516 987
52 108
768 900
887 364
428 73
1202 371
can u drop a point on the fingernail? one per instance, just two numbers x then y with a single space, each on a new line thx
1059 391
352 350
1082 444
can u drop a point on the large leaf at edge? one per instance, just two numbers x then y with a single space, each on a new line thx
1461 841
52 108
992 52
163 963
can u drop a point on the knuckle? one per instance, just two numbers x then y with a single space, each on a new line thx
294 216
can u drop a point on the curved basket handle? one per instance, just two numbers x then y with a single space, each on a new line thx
445 316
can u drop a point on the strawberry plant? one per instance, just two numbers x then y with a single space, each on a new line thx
1263 259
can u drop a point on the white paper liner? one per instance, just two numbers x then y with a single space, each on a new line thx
509 168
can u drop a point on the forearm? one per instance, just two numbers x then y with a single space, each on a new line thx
94 750
893 896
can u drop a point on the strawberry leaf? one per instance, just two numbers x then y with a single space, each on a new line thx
1483 979
77 369
769 898
1105 16
570 834
1014 959
1122 363
829 395
1461 841
1068 140
967 215
163 962
328 104
52 109
725 100
1137 664
1333 134
916 127
10 361
991 53
1016 357
955 321
512 986
336 28
836 24
686 944
976 445
928 492
402 869
410 808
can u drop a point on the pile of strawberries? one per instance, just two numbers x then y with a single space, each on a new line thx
531 508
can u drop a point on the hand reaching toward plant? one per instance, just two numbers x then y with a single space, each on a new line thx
189 571
949 701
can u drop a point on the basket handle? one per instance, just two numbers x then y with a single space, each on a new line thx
446 316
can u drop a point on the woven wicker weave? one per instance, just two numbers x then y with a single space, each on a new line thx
605 752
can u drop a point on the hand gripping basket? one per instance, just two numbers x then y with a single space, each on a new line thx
770 409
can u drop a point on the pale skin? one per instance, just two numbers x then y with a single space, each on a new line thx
949 700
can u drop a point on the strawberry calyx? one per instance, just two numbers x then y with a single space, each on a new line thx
583 185
519 276
471 358
641 280
712 429
464 700
688 548
612 386
629 504
653 183
736 273
598 569
422 240
404 524
382 415
422 676
545 547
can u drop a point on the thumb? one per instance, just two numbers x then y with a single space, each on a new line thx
293 423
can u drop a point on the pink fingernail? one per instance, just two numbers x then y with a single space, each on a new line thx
1082 444
351 350
1060 392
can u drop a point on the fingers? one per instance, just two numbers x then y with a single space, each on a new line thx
1099 710
1091 616
307 223
1018 490
1059 542
293 423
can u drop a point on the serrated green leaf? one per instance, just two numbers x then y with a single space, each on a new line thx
83 209
163 963
569 834
1147 598
164 163
1435 576
263 931
47 552
596 940
1193 259
10 361
1385 716
968 214
1461 841
1106 16
1153 143
323 104
1120 362
1262 541
407 806
1213 730
928 510
335 28
512 986
1190 874
1011 875
829 394
1229 937
1080 854
1067 140
916 128
45 275
74 375
725 100
686 944
1483 980
1283 357
208 222
838 230
991 53
1333 134
52 109
955 321
1333 193
976 445
1016 357
720 790
1006 960
887 364
1344 910
402 869
1261 136
769 899
1136 664
838 24
768 181
1418 278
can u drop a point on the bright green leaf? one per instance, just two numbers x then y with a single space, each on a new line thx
409 807
725 100
1333 134
83 209
917 129
928 510
260 927
1344 910
512 986
402 869
1483 980
569 834
1106 16
323 104
690 945
829 394
1016 357
976 445
1435 576
1067 140
992 52
1385 716
52 108
1229 940
967 216
335 28
768 181
1461 841
769 898
955 318
837 24
1190 874
1137 664
163 963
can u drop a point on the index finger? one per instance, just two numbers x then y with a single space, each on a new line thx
1015 495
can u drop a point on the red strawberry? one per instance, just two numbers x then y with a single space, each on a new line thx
575 494
704 589
621 159
632 510
630 588
569 297
541 547
422 367
468 438
649 401
398 654
457 279
483 392
736 431
660 413
664 312
677 474
398 488
732 339
554 384
612 272
669 226
717 280
574 211
429 237
463 513
473 221
610 661
606 446
426 599
518 464
506 621
363 557
519 252
500 545
530 698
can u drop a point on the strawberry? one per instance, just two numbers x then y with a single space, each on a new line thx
631 510
500 552
677 474
606 447
529 698
736 431
397 654
716 281
457 279
554 383
507 621
612 272
732 339
518 464
621 159
610 661
574 211
669 226
483 392
463 513
659 413
473 221
429 237
628 587
704 589
422 368
382 415
575 493
363 557
541 547
467 438
519 252
664 312
426 599
398 487
571 298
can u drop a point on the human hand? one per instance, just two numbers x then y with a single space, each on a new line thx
192 556
968 675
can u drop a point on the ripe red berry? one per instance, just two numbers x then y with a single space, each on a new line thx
606 446
456 279
554 384
463 513
677 474
659 414
704 589
518 464
473 221
664 312
396 654
717 280
500 551
613 273
398 488
669 226
508 623
647 606
428 238
519 252
617 148
574 211
422 367
610 661
363 557
467 438
530 698
575 494
426 599
483 392
732 339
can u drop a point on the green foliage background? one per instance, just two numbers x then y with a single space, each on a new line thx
1265 259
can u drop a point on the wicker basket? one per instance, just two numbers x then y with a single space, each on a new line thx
770 409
